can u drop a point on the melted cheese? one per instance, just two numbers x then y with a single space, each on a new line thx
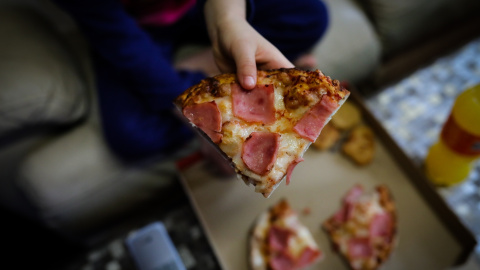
236 131
225 106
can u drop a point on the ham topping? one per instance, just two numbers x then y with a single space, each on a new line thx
207 117
257 105
259 151
291 167
311 124
381 226
308 256
343 214
282 261
278 238
359 247
353 194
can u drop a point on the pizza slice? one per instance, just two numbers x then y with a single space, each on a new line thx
263 132
363 230
279 241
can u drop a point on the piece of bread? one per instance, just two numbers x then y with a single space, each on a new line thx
347 117
327 138
363 230
263 132
360 146
278 241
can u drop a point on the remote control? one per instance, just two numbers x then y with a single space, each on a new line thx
152 249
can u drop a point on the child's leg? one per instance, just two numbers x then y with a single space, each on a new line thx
132 130
294 27
135 130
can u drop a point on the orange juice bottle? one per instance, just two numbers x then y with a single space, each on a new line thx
451 158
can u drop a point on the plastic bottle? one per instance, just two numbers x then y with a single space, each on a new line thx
450 159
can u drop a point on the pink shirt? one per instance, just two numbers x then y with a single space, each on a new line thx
158 12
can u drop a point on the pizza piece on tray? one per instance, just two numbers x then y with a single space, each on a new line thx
263 132
363 230
279 241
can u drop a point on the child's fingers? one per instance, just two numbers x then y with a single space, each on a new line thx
244 56
271 58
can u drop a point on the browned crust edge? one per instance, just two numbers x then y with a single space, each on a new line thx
211 85
253 243
387 202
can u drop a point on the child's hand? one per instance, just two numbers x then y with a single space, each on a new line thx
237 46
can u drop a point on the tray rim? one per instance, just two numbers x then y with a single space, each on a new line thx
420 181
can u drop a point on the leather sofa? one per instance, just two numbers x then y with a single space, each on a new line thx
55 167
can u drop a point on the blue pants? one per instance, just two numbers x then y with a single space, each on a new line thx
135 77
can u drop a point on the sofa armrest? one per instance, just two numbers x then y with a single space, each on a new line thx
78 185
41 83
350 49
403 25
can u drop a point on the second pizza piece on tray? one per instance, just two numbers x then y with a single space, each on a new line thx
279 241
328 138
347 117
263 132
363 230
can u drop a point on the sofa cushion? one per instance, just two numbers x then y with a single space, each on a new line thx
79 185
40 80
403 23
350 49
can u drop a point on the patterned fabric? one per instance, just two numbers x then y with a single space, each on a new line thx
415 109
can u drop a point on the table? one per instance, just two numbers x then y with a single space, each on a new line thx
414 109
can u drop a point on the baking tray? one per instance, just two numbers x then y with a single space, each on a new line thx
430 235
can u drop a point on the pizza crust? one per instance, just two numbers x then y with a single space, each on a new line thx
256 259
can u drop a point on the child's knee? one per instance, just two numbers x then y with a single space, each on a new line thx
296 26
139 136
127 137
318 12
312 17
